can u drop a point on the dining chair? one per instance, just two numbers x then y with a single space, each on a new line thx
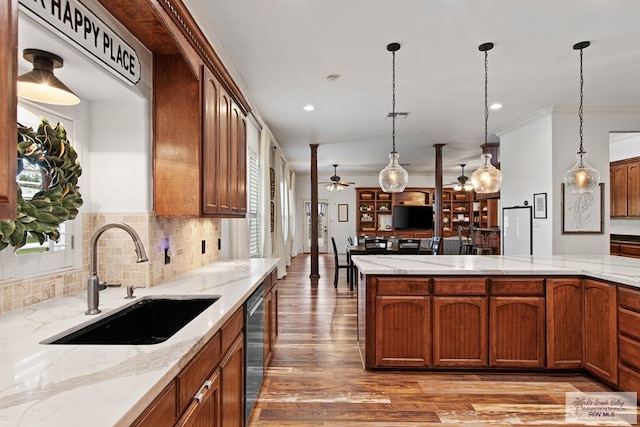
375 246
337 263
435 245
464 240
409 246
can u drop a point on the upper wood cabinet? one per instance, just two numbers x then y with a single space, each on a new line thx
8 107
625 188
199 144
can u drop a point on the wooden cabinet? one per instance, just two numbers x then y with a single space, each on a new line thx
374 211
460 314
625 188
485 213
401 336
162 411
204 409
627 248
600 327
210 388
564 323
8 107
456 210
517 310
199 161
270 316
629 340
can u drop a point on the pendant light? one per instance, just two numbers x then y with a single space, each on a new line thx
393 178
487 178
581 178
40 84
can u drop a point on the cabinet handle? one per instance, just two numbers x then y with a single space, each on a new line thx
200 395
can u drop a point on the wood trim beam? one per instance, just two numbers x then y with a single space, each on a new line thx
438 228
315 274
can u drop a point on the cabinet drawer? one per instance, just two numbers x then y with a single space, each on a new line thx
402 286
629 351
195 373
471 286
629 299
232 328
629 323
508 286
629 380
630 250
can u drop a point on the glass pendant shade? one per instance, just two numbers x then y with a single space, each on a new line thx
393 178
334 186
581 178
487 178
41 84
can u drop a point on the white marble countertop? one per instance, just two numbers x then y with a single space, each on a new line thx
617 269
107 385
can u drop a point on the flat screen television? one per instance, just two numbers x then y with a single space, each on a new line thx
413 217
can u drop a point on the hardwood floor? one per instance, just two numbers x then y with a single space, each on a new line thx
316 377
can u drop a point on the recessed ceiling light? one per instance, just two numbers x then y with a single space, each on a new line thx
495 106
308 107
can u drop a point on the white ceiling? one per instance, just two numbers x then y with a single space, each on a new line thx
282 51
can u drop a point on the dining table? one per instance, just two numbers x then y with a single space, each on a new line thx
359 249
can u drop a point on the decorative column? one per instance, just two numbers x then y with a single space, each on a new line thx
437 202
315 274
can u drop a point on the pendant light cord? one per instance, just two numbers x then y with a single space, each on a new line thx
581 99
486 102
393 102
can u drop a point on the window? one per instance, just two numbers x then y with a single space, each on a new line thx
34 259
254 229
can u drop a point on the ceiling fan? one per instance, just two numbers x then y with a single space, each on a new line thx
462 184
336 184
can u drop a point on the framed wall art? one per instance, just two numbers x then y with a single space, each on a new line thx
343 213
582 212
540 205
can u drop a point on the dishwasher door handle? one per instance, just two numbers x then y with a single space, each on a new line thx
255 306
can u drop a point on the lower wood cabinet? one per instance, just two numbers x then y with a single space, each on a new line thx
401 336
232 374
517 332
204 409
600 330
564 323
629 340
270 317
162 411
460 323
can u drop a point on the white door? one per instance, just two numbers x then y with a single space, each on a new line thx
323 222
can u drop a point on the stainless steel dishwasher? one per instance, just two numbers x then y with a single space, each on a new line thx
254 345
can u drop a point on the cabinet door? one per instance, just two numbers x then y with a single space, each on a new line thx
224 120
619 191
8 107
204 410
237 161
232 377
162 411
517 332
460 332
564 323
268 343
403 328
633 189
600 330
210 143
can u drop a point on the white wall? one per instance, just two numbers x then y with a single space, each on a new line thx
525 161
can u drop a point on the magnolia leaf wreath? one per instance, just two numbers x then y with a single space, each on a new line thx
58 199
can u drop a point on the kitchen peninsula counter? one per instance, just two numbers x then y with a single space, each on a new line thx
515 313
107 385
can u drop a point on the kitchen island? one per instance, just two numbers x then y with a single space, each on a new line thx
514 313
108 385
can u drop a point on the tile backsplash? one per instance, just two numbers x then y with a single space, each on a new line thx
117 259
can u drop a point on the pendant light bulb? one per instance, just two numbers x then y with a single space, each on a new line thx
581 178
393 178
487 178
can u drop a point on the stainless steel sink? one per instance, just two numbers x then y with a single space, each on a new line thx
150 320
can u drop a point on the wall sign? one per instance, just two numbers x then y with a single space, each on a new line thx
73 20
